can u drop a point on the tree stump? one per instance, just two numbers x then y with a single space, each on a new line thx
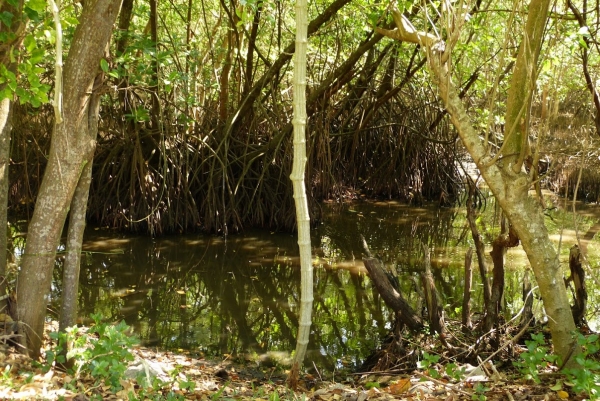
390 296
580 292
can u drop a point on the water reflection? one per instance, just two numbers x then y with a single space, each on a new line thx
241 296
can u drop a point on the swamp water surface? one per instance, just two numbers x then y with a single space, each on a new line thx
240 296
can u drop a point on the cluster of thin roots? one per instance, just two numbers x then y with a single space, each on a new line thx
193 171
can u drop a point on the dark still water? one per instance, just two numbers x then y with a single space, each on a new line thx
241 296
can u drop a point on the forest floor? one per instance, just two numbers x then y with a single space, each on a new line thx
224 379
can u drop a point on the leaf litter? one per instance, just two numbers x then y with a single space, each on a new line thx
225 379
187 376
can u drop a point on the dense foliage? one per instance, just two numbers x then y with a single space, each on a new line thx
196 131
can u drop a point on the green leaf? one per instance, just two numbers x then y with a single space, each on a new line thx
37 56
36 5
31 13
29 43
6 17
104 65
6 93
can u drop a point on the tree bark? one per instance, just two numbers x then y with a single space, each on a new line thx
70 144
123 26
70 282
522 86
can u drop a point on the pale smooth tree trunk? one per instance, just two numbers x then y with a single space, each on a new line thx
67 159
526 217
297 177
511 189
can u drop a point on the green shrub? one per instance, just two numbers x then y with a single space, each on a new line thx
102 352
586 377
536 356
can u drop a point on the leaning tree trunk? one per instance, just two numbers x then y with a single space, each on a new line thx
297 177
504 176
68 310
523 212
70 144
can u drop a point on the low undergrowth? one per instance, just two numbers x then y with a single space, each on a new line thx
101 356
105 362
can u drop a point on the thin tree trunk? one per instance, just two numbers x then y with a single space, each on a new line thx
507 239
521 87
123 25
297 177
70 282
527 316
69 146
466 307
434 309
155 65
224 79
479 247
580 292
250 53
5 129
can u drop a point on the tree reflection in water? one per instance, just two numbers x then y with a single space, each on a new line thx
240 296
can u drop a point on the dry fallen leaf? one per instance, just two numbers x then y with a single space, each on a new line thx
563 395
402 386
